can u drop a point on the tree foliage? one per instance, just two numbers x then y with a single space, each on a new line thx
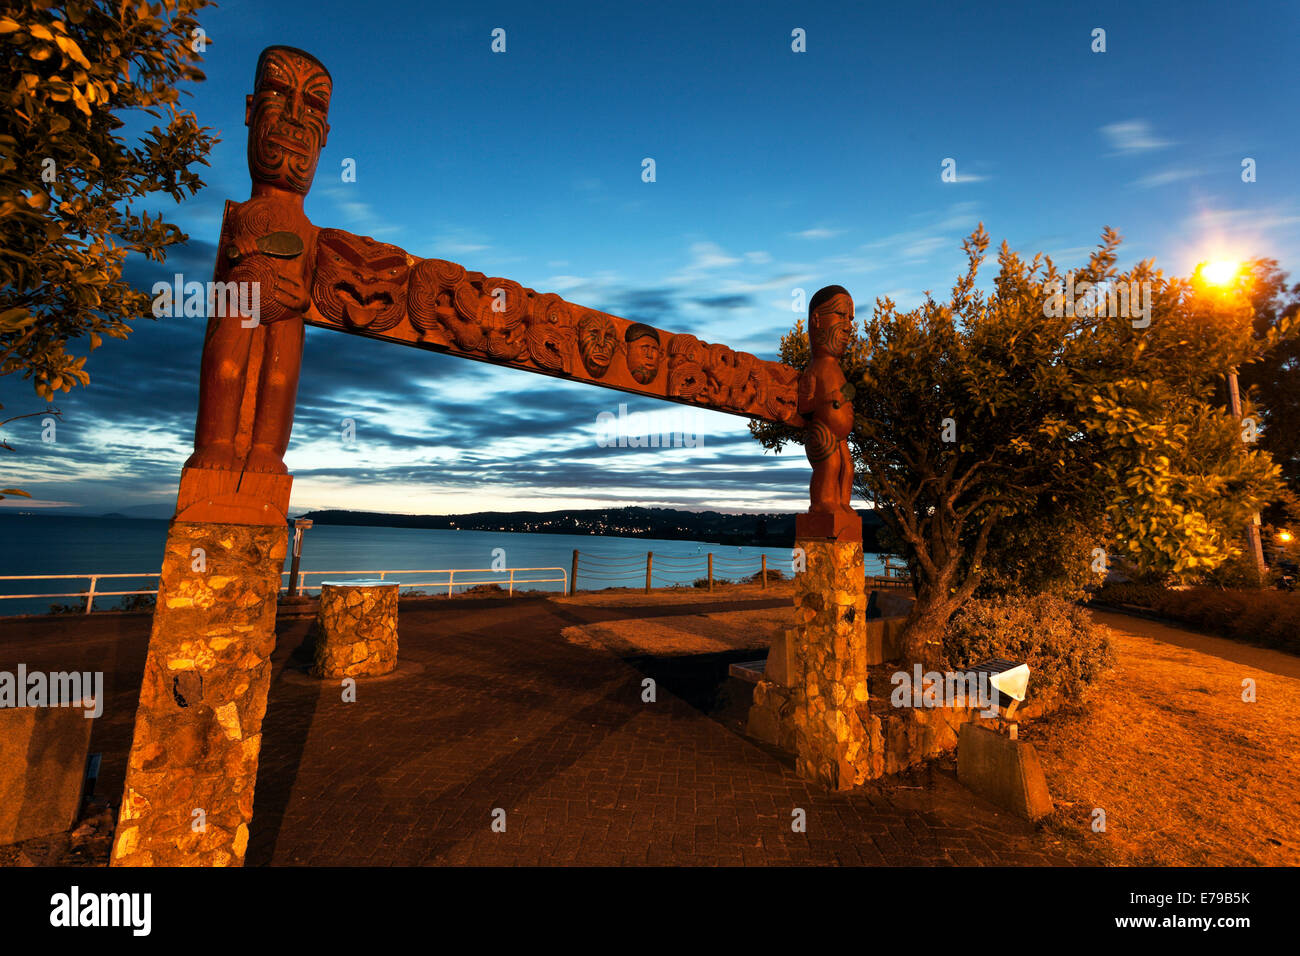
71 184
999 408
1274 381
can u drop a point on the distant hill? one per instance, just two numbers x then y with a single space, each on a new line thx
760 530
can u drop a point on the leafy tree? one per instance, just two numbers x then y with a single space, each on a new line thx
70 184
990 411
1274 380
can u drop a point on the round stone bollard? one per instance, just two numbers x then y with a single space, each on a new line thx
356 629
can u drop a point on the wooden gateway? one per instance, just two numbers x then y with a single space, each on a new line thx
198 727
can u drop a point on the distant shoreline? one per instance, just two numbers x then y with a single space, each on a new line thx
760 530
772 530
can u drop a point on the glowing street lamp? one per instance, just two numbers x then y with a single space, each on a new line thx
1224 273
1220 272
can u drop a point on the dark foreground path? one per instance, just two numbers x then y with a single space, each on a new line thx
491 709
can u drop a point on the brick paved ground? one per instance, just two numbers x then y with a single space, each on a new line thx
491 708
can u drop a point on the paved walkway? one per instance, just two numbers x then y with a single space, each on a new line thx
492 709
1263 658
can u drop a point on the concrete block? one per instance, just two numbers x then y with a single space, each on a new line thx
893 603
882 639
778 658
1005 771
42 769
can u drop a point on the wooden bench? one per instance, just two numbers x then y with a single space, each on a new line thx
751 671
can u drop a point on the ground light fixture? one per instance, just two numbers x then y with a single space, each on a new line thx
1010 679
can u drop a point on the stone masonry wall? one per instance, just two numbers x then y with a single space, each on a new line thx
193 763
828 665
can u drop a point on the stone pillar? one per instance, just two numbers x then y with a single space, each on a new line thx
190 775
356 629
828 664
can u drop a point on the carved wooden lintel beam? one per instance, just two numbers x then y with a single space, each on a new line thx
374 289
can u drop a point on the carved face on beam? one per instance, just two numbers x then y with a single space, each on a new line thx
644 353
597 341
286 118
359 281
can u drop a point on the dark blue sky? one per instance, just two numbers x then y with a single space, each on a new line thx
775 170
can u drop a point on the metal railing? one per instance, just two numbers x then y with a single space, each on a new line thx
451 581
94 591
90 594
891 571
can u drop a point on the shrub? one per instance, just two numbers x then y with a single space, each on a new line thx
1238 571
487 589
1271 618
1129 592
138 602
1065 650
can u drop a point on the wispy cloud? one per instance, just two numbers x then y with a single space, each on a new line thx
705 257
1166 176
357 215
818 232
1132 136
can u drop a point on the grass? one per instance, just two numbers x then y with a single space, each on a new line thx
1187 772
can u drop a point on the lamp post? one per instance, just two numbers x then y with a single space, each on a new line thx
299 526
1223 273
1252 526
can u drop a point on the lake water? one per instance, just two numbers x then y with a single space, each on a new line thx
52 544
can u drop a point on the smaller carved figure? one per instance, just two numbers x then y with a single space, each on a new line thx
826 402
597 342
686 368
550 333
503 306
359 281
781 392
644 353
431 298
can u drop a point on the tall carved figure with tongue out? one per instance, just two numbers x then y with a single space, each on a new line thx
268 243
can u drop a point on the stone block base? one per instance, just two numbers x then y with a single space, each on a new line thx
1004 770
845 526
356 631
42 769
190 775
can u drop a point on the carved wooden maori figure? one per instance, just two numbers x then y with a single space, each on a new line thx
826 402
267 240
